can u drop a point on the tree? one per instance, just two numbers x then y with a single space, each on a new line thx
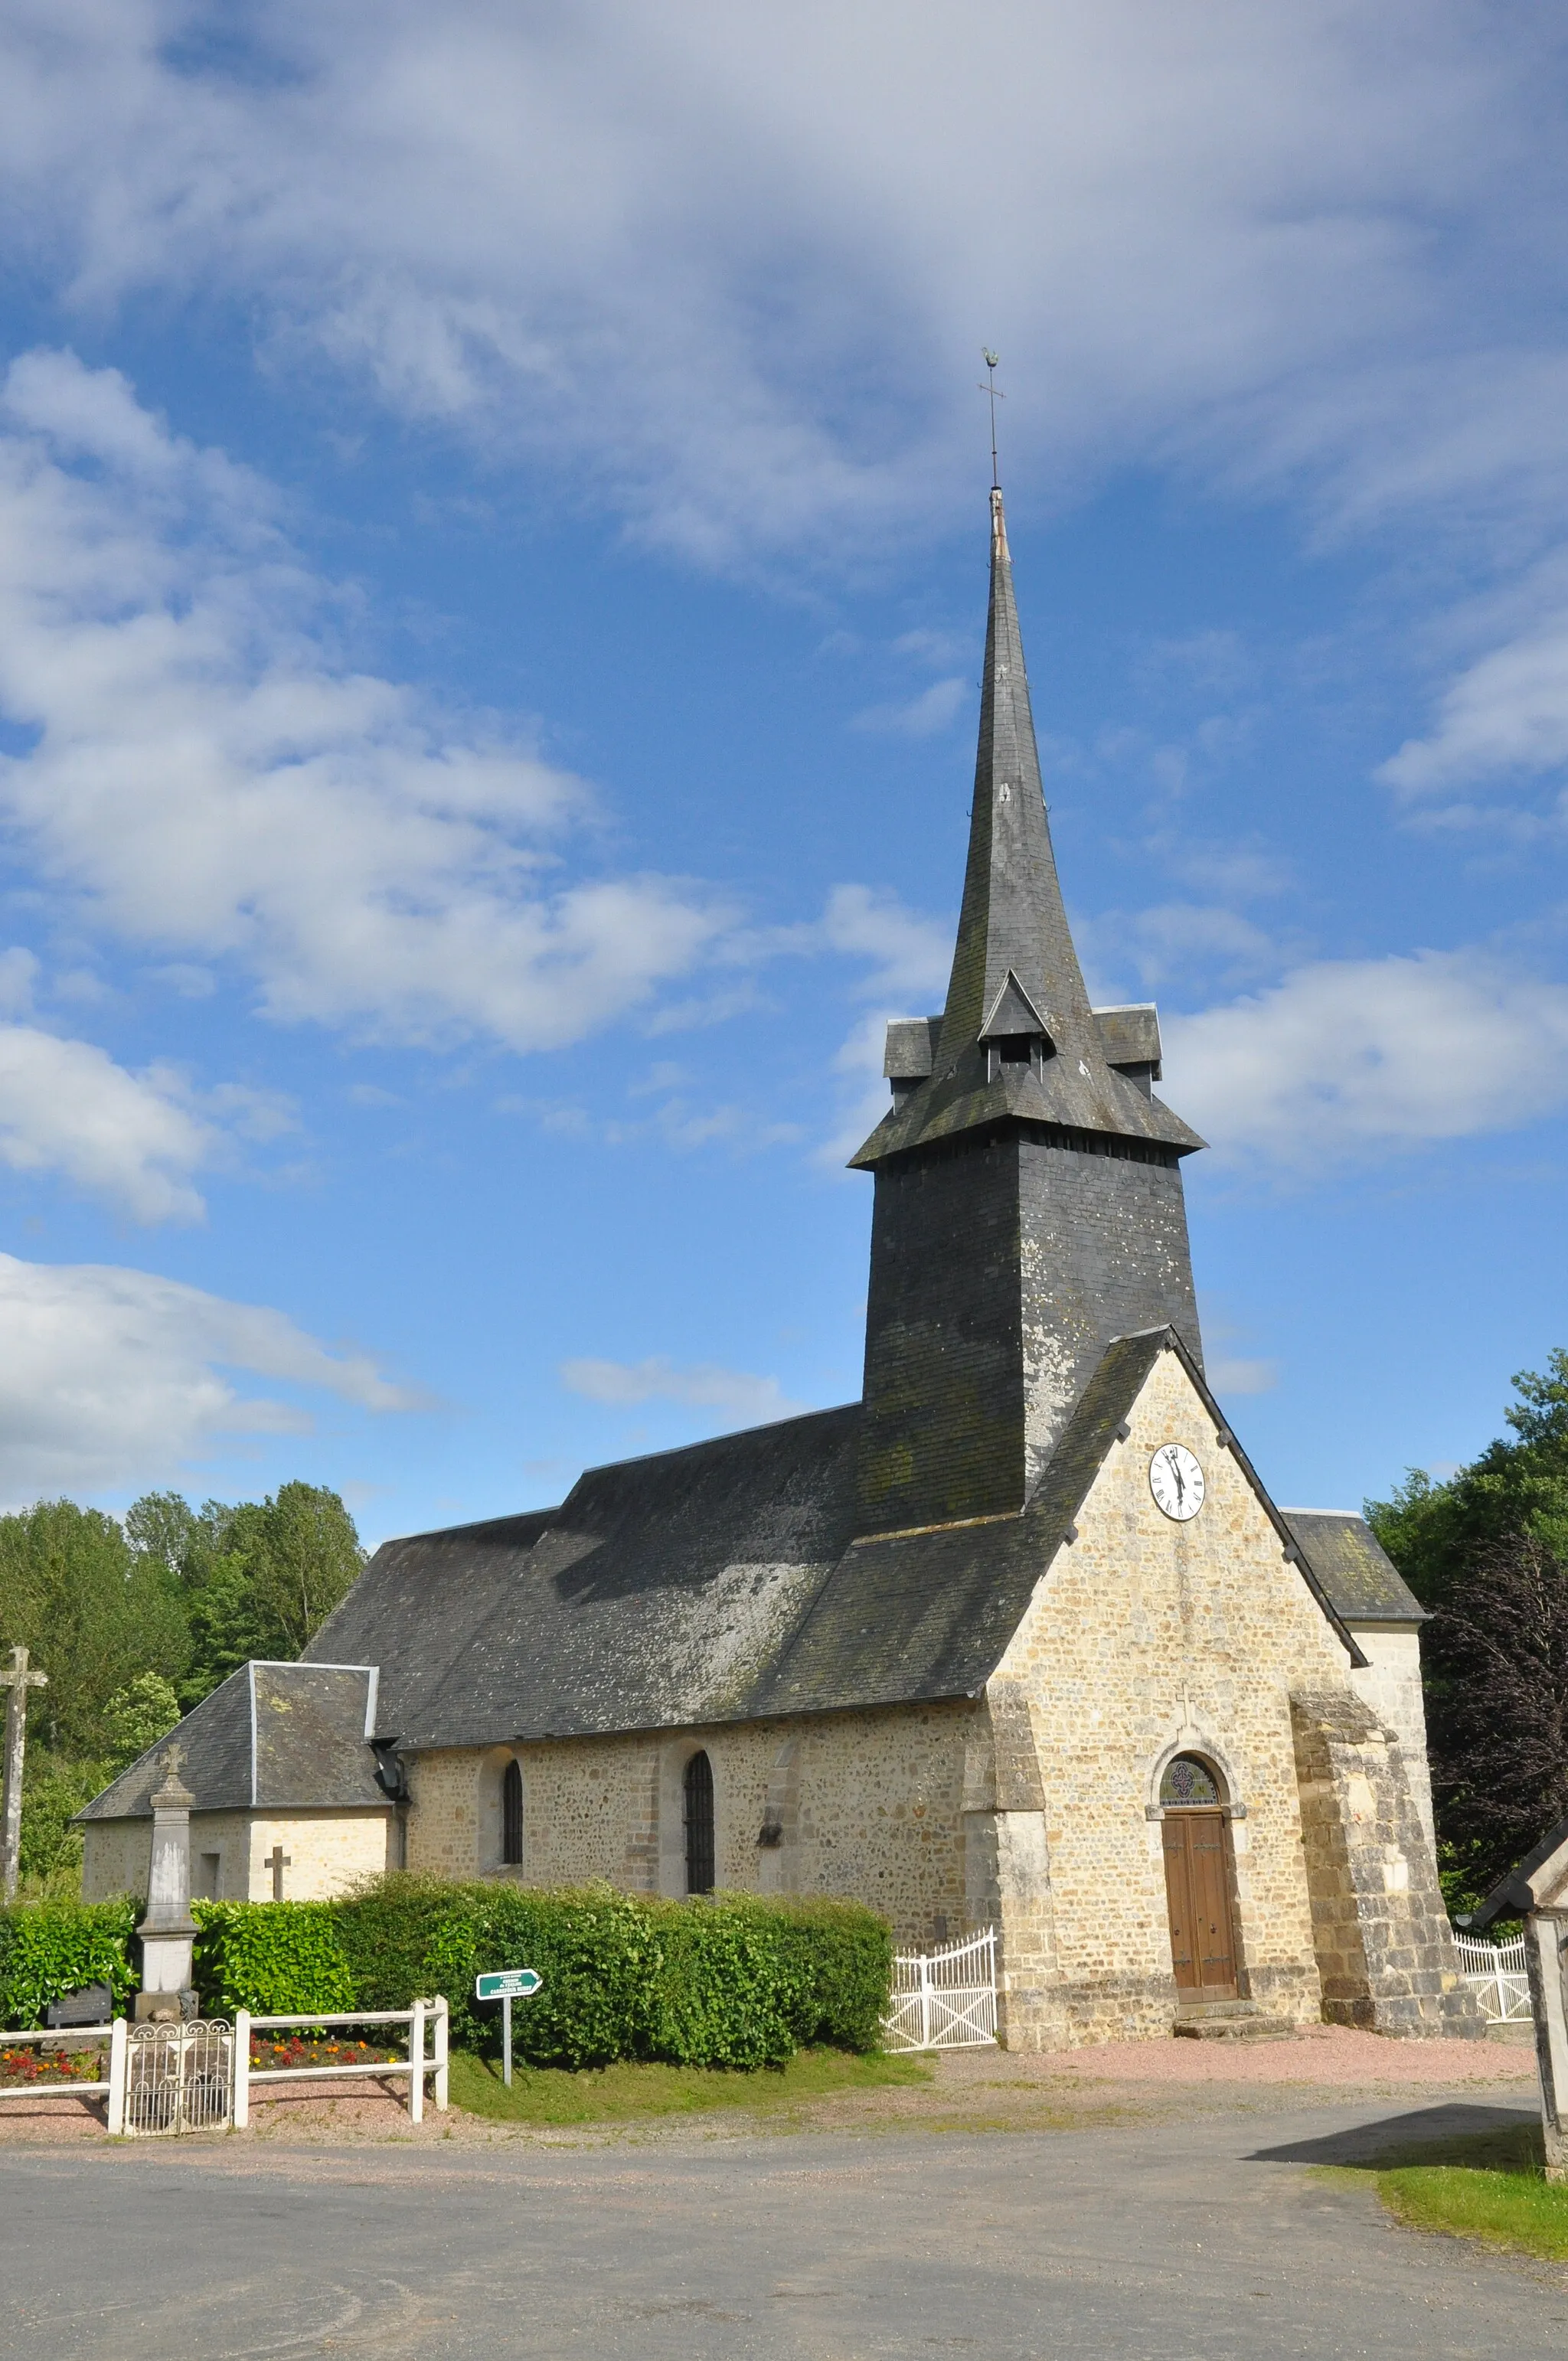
1498 1651
264 1577
91 1612
1487 1552
137 1717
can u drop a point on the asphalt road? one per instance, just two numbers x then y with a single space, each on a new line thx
1188 2241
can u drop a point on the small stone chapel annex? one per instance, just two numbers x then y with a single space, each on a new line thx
1019 1639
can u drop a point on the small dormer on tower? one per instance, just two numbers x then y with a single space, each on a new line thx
1015 1033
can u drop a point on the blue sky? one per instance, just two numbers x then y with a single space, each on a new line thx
492 567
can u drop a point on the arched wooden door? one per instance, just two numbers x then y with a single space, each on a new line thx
1198 1882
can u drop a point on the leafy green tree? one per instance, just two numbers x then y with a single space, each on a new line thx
54 1789
1487 1552
137 1717
90 1609
264 1578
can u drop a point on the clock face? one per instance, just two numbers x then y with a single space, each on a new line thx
1176 1481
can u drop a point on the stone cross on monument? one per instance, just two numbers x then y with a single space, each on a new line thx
16 1681
169 1930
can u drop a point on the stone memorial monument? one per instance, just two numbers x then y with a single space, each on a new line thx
1538 1891
167 1931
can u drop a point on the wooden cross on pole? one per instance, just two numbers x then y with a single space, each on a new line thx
277 1860
16 1681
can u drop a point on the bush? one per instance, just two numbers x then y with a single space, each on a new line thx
737 1981
53 1948
841 1957
276 1959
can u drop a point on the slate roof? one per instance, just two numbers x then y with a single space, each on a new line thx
1013 932
722 1583
662 1591
269 1738
719 1583
1348 1557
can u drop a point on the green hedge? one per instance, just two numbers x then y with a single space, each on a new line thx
736 1981
276 1959
49 1948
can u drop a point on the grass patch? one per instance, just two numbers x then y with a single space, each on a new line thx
1490 2186
550 2095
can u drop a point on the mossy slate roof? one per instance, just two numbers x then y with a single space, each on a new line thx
719 1583
1351 1561
270 1737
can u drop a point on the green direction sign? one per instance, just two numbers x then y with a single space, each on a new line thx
509 1983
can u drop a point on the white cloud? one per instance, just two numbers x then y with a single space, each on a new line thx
679 249
1352 1058
750 1401
909 953
132 1139
209 780
112 1378
908 957
1176 938
935 708
1506 715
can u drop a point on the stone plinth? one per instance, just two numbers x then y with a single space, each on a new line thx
167 1932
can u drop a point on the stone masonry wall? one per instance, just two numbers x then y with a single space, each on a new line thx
327 1852
867 1805
1391 1685
1146 1639
1386 1952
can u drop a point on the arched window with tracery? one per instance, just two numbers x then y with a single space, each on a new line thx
511 1816
697 1786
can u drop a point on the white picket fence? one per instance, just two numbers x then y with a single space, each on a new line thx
1498 1977
416 2066
198 2076
62 2037
944 1999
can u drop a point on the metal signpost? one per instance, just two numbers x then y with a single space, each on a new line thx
507 1985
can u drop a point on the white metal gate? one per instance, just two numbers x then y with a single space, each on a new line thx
179 2078
944 1999
1497 1974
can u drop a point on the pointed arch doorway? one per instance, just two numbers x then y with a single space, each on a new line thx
1199 1880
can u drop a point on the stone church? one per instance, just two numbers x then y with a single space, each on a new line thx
1019 1639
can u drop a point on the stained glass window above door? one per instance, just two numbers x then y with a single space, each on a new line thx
1188 1781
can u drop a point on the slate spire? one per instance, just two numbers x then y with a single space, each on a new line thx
1011 921
1017 1036
1028 1187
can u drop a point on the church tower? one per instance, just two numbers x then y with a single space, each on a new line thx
1028 1183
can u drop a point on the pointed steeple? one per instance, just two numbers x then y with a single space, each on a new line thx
1028 1184
1015 947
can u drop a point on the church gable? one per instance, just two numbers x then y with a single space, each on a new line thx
1226 1584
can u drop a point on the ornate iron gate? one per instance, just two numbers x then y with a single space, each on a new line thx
179 2078
945 1999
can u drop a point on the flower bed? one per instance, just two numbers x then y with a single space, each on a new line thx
305 2049
21 2067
